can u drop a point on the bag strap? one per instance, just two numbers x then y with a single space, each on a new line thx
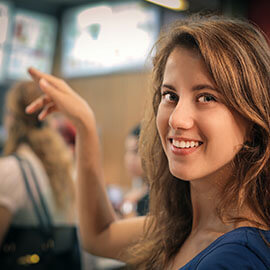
46 228
43 203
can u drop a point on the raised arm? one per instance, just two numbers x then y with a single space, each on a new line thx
101 233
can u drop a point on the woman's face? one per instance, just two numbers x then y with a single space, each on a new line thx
199 134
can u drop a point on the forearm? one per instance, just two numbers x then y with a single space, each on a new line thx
95 211
101 234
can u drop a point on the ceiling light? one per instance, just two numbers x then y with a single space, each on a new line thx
171 4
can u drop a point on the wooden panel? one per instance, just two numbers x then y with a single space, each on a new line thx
118 101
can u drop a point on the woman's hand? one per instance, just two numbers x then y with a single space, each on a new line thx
58 96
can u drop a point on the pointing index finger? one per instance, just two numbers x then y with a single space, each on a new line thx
38 75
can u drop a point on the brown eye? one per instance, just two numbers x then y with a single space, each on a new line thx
170 97
206 98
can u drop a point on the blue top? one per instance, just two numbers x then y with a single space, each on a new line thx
242 248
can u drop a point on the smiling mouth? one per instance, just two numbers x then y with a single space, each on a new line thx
185 144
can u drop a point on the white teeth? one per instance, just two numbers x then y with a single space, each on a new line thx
185 144
181 144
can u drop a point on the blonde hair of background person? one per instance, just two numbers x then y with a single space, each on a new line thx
45 142
211 88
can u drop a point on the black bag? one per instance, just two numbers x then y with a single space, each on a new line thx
40 247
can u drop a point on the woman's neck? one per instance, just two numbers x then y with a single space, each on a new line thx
205 197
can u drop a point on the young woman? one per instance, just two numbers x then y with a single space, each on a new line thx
205 143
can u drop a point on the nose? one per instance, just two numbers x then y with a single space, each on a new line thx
182 117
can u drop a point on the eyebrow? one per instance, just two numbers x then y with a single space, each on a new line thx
194 88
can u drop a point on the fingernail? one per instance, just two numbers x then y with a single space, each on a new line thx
41 116
27 109
43 82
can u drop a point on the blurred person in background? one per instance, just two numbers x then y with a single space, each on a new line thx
52 161
135 201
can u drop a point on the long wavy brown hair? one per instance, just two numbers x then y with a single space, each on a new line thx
237 56
45 142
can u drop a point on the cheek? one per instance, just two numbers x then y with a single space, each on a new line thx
242 127
236 130
225 132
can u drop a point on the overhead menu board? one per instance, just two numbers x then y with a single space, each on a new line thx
32 43
108 37
5 25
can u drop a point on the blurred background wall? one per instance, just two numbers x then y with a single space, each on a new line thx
116 95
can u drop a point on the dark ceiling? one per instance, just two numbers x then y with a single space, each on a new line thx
55 7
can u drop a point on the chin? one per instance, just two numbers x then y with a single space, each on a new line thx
186 173
181 175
